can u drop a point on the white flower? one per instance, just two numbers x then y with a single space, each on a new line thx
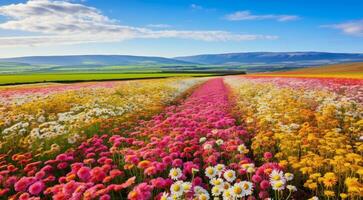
250 169
242 149
201 193
177 188
291 188
164 196
187 186
237 190
289 176
277 175
204 196
219 142
216 182
278 185
175 173
216 191
229 175
210 172
226 185
241 189
228 194
202 139
207 146
247 188
199 190
219 168
214 131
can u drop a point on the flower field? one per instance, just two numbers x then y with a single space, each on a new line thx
188 138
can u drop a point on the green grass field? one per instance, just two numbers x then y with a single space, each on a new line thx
68 77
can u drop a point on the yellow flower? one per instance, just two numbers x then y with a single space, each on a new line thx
343 195
329 179
329 193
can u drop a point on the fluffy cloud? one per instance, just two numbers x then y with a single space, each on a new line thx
354 28
247 15
158 25
66 22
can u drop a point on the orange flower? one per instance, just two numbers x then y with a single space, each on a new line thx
144 164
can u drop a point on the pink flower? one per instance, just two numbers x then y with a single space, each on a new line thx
267 155
105 197
264 185
22 184
24 196
177 163
84 173
263 195
36 188
158 183
39 175
256 178
62 165
97 174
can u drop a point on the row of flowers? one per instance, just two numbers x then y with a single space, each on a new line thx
312 126
58 115
195 150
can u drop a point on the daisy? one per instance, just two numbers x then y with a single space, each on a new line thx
237 190
289 176
247 188
242 149
216 182
177 188
219 142
216 191
164 196
229 175
187 186
175 173
219 168
227 194
207 146
291 188
277 176
226 185
278 185
201 193
210 172
204 196
199 190
202 139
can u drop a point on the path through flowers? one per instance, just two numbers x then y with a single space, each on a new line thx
195 150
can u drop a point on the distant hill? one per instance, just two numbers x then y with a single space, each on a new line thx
288 59
337 68
346 70
97 60
250 62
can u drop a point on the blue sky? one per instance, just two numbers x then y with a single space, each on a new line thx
178 27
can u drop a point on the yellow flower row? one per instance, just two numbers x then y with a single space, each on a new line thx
314 133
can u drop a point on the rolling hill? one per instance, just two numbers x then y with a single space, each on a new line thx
97 60
289 59
250 62
346 70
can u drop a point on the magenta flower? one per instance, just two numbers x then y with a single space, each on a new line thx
36 188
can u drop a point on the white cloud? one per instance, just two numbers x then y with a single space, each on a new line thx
247 15
354 28
65 22
158 26
196 7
